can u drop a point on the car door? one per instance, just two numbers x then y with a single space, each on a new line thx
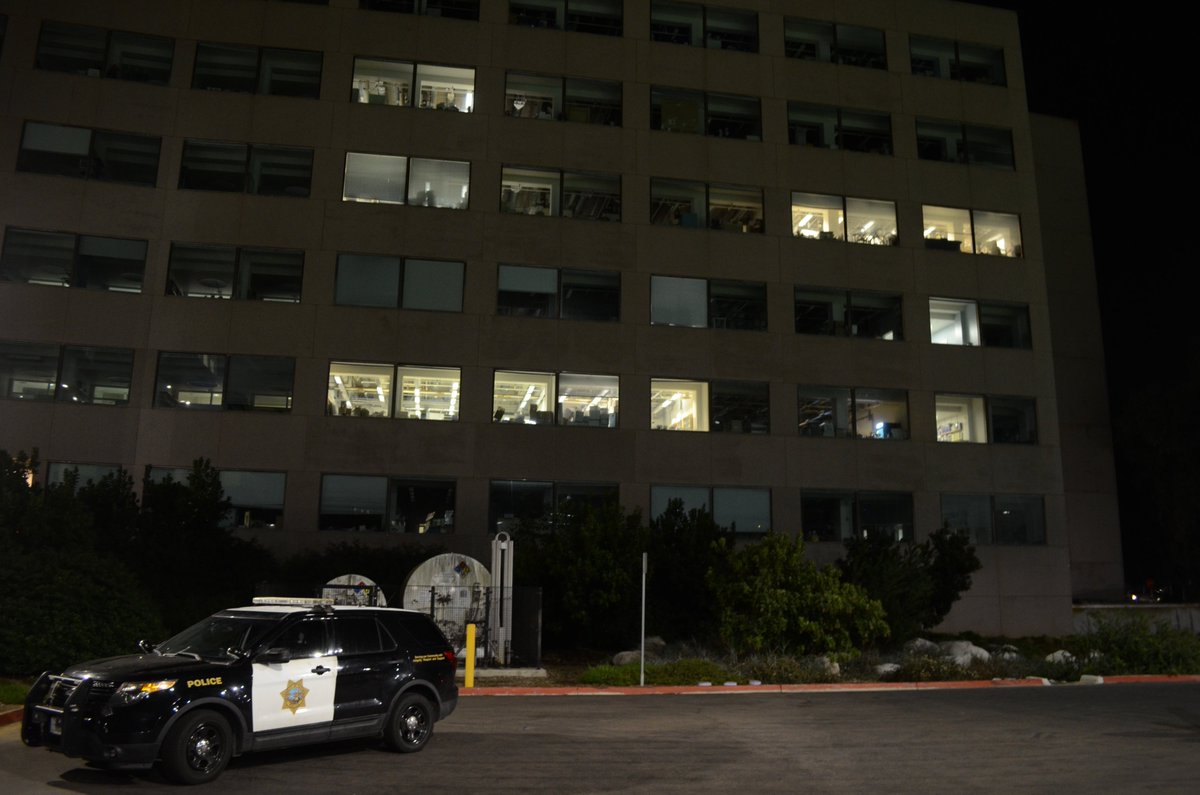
366 656
298 693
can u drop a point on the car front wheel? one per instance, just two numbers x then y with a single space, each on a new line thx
410 724
197 748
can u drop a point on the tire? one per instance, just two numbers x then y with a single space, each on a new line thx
410 724
197 748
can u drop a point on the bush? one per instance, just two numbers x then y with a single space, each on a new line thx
773 598
684 546
688 671
780 669
1132 644
928 668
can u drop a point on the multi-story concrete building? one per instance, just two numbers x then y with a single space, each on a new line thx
411 270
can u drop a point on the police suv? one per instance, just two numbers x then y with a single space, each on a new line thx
280 673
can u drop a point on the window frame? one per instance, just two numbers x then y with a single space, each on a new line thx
250 186
105 69
866 234
845 325
73 277
254 86
89 165
227 362
560 202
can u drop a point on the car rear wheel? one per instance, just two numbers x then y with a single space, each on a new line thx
197 748
410 724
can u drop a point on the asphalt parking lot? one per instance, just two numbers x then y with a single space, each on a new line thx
1110 738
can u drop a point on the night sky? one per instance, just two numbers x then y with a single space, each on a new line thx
1127 79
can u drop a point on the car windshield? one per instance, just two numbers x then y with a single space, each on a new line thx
212 636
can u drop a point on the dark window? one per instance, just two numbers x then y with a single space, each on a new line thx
717 115
718 28
590 295
603 17
737 305
813 40
214 381
87 154
989 146
238 168
970 514
825 411
1005 325
973 63
28 370
447 9
260 382
854 314
1013 420
255 498
730 116
304 639
1018 519
563 98
253 274
98 376
826 516
421 506
528 292
97 52
537 191
353 502
887 514
66 260
594 197
834 128
739 407
512 502
359 635
390 282
952 142
254 70
821 311
880 413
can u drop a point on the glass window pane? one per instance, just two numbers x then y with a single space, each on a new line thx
511 502
808 39
95 375
593 101
960 418
527 292
450 9
864 131
998 234
256 497
367 280
678 203
693 498
201 271
676 110
590 295
88 473
726 29
741 407
824 411
1019 519
573 500
290 73
421 506
359 390
190 380
382 82
970 514
523 397
280 171
135 56
55 149
737 305
678 405
947 229
735 208
1013 420
270 275
594 197
676 301
1005 326
352 502
601 17
821 312
31 257
71 48
225 67
886 514
110 263
953 322
213 166
931 57
375 178
676 23
871 221
941 140
858 46
529 191
812 125
881 413
118 157
537 13
439 183
588 400
445 88
817 216
533 96
428 393
28 370
260 382
875 316
436 285
732 116
826 515
743 510
979 64
989 146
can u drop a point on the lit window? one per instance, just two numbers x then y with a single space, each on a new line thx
379 81
824 411
998 234
523 397
881 413
428 393
947 229
359 390
953 322
678 405
825 217
960 418
588 400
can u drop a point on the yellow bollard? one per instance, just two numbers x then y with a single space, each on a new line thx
469 674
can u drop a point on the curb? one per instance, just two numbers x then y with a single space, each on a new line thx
11 716
848 687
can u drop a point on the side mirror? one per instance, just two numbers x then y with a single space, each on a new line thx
273 656
146 646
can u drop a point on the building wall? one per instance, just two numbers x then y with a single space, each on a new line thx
1022 589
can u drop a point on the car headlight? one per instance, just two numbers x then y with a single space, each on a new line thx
130 692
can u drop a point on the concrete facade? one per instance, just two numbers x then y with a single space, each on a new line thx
1024 588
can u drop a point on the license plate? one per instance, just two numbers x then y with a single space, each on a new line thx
55 726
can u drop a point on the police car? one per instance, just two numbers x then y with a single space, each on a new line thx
282 672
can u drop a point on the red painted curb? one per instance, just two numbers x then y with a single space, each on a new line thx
1152 678
12 716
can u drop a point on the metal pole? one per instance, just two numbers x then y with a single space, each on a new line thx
642 672
469 671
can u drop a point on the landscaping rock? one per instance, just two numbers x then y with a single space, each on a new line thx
920 646
963 652
626 657
828 666
655 646
1007 652
887 669
1060 656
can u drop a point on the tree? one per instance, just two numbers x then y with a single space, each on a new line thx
773 598
684 546
917 584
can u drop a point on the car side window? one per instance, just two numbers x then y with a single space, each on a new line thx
303 639
360 635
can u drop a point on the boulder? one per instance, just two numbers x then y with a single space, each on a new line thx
828 666
626 657
655 646
1007 652
1060 656
920 646
963 652
886 669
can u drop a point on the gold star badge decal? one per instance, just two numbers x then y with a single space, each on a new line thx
293 695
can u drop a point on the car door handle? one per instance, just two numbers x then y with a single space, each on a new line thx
321 669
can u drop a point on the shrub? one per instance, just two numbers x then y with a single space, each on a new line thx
1132 644
780 669
680 672
928 668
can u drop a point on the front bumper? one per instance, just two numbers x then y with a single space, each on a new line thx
82 725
